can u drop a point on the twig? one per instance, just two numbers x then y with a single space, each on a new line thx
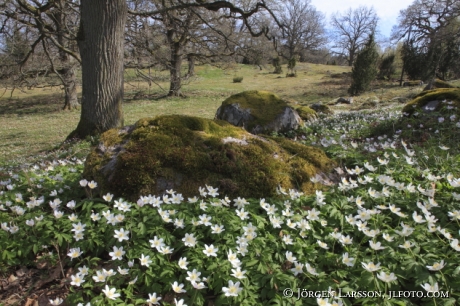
60 262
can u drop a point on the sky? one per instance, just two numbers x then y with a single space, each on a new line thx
387 10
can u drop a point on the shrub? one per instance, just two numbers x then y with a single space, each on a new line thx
237 79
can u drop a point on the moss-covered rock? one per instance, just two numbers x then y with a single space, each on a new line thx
184 153
259 112
438 84
306 113
440 100
321 108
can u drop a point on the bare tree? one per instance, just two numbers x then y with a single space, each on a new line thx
352 29
16 42
54 23
188 33
100 40
303 29
431 30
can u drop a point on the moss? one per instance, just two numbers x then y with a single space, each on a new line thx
111 137
322 108
441 94
306 113
264 105
184 153
441 84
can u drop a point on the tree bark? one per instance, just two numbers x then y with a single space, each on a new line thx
191 65
351 57
68 77
100 40
70 88
175 69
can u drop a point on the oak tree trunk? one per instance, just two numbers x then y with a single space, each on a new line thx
67 72
101 38
175 69
191 65
70 88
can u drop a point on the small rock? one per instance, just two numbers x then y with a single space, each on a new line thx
345 101
430 106
21 272
12 278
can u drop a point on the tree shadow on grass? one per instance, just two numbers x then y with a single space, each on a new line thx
33 105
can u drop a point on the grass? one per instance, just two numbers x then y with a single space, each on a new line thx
33 122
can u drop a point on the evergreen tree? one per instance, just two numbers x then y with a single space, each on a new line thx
365 68
387 67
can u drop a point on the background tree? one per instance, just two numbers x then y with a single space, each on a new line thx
255 51
276 62
431 30
303 29
54 24
100 42
291 65
365 67
351 30
387 66
186 33
414 58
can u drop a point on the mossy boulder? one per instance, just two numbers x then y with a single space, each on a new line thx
259 112
321 108
306 113
444 100
184 153
438 84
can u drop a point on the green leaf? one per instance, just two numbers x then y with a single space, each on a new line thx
252 263
456 271
449 302
142 228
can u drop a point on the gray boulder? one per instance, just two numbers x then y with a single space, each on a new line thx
259 112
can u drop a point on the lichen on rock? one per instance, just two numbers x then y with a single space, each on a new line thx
184 153
259 112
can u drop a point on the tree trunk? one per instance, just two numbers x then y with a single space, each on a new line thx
70 88
351 58
191 65
100 40
67 72
175 69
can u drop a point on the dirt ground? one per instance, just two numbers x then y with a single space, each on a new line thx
33 286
